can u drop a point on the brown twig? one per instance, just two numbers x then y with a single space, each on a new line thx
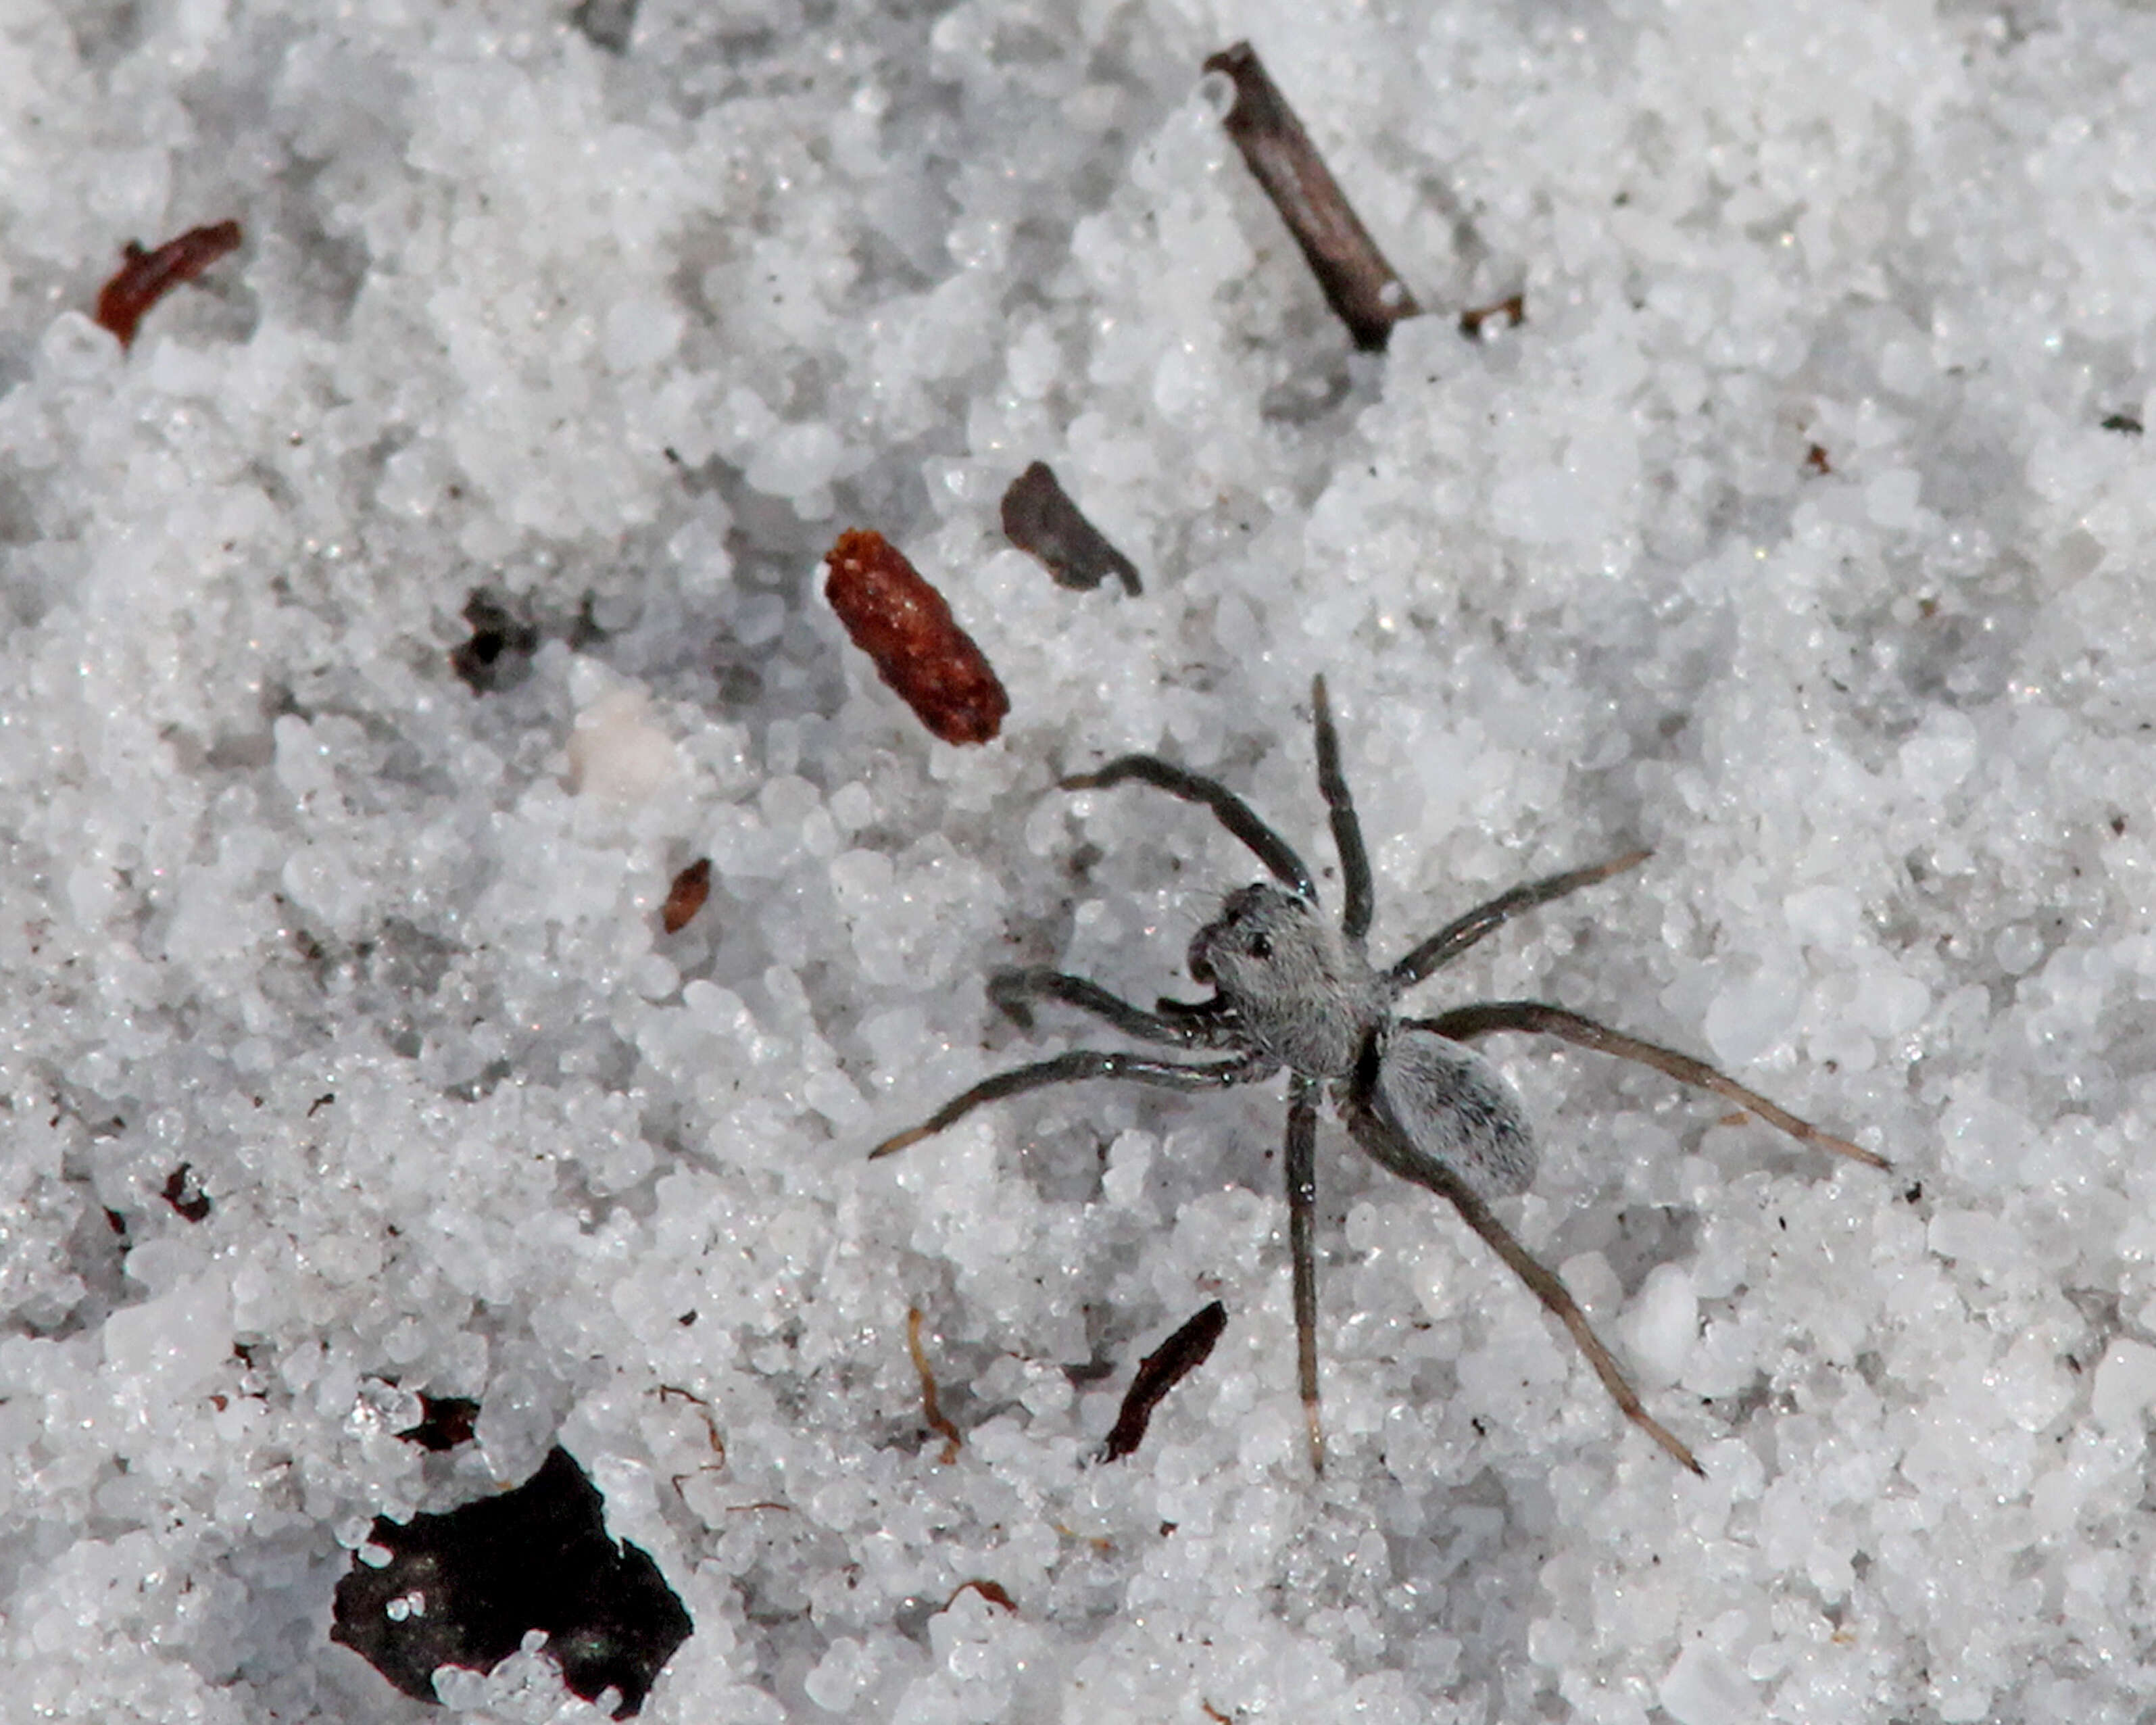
1359 285
931 1410
711 1421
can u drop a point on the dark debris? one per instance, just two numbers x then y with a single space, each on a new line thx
1160 1371
1362 287
467 1586
1040 519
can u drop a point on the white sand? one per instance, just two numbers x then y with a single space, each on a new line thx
1576 586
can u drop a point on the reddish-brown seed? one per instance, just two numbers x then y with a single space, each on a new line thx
892 614
147 276
686 895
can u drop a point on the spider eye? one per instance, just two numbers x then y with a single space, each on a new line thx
1260 947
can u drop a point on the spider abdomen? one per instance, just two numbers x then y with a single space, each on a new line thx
1445 1102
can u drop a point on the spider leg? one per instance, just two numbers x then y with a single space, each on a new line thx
1457 935
1556 1299
1465 1024
1014 992
1346 829
1372 1126
1301 1163
1079 1064
1231 811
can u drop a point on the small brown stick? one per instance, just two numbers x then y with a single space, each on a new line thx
931 1410
686 895
147 276
994 1592
892 614
1513 311
666 1391
1359 285
1040 519
1159 1372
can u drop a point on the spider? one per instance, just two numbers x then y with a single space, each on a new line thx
1290 990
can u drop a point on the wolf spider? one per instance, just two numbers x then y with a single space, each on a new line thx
1291 990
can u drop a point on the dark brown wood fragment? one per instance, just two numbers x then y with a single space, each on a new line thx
892 614
1160 1371
499 654
147 276
184 1192
1359 285
994 1592
686 895
1513 310
1040 519
445 1421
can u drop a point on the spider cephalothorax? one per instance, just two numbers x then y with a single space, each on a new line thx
1292 991
1296 989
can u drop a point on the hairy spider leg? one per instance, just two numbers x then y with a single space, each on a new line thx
1457 935
1372 1128
1070 1068
1014 991
1231 811
1346 829
1465 1022
1301 1163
